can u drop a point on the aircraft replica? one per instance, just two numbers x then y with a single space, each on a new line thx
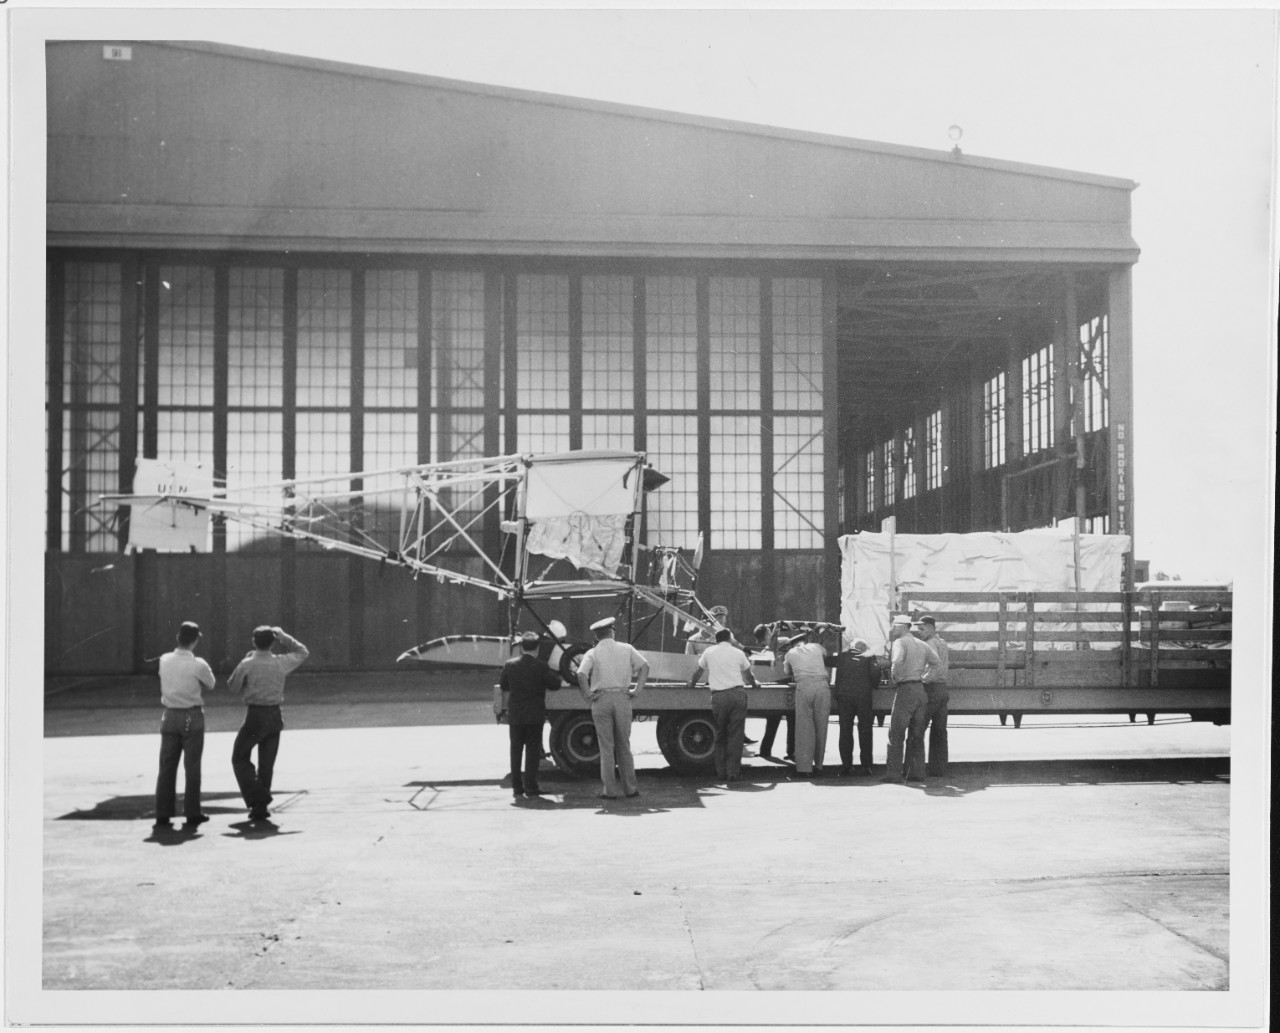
569 523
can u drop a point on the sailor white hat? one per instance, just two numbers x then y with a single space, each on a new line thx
902 619
602 625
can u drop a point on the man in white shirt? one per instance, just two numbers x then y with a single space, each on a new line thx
182 677
728 670
909 662
604 676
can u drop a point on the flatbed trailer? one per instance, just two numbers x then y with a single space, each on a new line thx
1151 651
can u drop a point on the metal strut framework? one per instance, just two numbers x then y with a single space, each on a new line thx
571 515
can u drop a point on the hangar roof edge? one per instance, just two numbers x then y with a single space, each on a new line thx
634 111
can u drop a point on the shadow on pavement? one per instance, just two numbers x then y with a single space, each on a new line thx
258 830
131 808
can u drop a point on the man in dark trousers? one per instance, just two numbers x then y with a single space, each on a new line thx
182 677
260 676
935 687
527 680
857 674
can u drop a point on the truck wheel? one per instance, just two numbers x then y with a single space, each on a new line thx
687 740
573 743
570 659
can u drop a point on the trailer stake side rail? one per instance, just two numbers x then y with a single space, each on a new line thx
1011 654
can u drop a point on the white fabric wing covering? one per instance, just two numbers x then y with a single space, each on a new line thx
578 510
167 526
983 561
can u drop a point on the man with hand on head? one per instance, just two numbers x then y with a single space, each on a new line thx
728 670
527 680
260 677
182 676
604 676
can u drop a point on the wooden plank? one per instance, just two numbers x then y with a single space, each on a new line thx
1031 641
1077 636
1155 645
1198 596
921 597
1078 616
1003 640
1127 646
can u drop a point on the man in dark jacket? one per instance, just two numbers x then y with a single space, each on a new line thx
527 680
857 674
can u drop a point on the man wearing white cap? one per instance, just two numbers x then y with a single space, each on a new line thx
909 660
605 675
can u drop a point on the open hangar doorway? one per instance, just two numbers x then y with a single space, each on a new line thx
981 396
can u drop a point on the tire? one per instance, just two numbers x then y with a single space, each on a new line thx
570 658
687 740
573 744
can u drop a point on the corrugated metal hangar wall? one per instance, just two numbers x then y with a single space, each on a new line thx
283 267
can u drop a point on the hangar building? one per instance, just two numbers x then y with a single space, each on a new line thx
284 267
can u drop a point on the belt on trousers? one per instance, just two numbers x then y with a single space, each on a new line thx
263 705
729 688
181 709
909 681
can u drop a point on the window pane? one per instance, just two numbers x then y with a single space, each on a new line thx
185 369
542 342
324 337
324 444
1037 401
390 441
890 473
993 428
671 342
538 432
255 446
908 462
391 338
608 343
673 508
91 393
185 436
797 344
255 337
735 343
799 503
457 339
1097 376
614 431
91 314
933 450
735 482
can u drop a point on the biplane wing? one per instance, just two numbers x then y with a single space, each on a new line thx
569 521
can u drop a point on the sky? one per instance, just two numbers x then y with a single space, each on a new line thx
1181 101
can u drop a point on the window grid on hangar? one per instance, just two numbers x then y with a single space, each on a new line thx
265 370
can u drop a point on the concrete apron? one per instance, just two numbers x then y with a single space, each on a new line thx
396 858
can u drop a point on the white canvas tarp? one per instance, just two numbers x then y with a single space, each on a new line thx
578 509
982 561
